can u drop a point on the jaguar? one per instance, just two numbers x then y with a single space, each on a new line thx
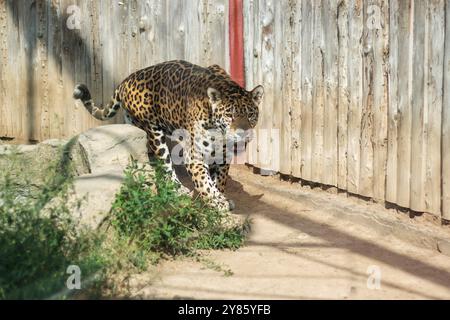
202 109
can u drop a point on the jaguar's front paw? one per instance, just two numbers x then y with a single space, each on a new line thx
225 205
182 190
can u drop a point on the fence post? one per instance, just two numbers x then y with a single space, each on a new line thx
236 41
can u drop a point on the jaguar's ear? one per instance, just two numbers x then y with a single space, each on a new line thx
214 96
258 94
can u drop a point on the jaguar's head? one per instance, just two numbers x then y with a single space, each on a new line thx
236 113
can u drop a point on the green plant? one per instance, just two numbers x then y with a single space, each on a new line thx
152 215
38 237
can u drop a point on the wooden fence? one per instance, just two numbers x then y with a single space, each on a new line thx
357 95
46 46
357 92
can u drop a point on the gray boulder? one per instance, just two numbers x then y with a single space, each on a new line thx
106 150
112 146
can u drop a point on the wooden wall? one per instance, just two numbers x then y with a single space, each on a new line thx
357 92
357 95
42 56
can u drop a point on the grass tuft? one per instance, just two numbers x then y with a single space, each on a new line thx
156 218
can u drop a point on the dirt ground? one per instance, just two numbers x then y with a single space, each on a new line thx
300 247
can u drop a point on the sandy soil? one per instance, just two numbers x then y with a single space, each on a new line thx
300 249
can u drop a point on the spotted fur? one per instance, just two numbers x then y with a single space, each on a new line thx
179 95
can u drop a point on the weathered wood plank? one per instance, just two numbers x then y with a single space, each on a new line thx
213 16
281 119
176 32
317 156
40 120
434 103
192 28
356 24
331 80
307 89
419 109
393 114
5 118
380 45
366 174
267 42
55 88
28 64
405 75
107 31
134 54
344 92
446 122
11 67
296 46
252 66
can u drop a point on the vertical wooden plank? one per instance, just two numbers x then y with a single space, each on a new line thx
55 88
366 174
266 42
89 63
3 57
121 15
356 24
405 75
217 20
160 26
317 156
134 43
434 103
445 148
380 45
281 120
143 32
330 58
250 65
108 32
393 114
295 21
5 125
192 43
419 109
41 113
204 11
26 94
307 89
446 122
344 92
118 55
70 54
176 32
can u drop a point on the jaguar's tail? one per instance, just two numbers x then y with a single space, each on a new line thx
82 93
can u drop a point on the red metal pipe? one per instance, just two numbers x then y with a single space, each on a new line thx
236 38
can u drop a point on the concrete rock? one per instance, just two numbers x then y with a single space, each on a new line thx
106 150
112 145
98 157
95 193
